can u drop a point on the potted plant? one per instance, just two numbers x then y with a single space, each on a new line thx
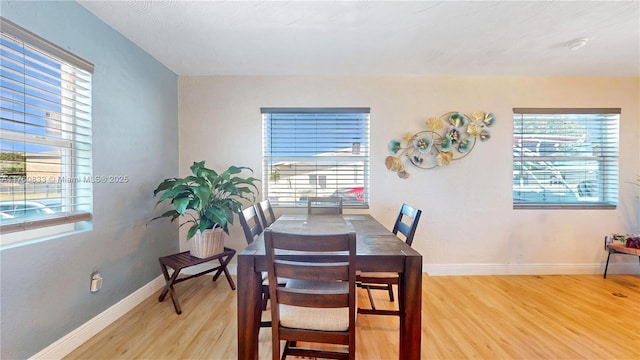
208 200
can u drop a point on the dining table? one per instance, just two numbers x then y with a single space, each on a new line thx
378 250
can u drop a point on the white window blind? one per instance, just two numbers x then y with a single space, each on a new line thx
565 158
45 135
316 152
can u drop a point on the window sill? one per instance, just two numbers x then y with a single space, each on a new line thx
563 207
25 233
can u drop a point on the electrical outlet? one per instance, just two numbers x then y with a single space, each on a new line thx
96 282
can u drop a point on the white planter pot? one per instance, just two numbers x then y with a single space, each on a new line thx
207 243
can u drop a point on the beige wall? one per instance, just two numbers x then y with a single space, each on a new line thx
468 224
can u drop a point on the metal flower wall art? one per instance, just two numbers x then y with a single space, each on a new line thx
450 137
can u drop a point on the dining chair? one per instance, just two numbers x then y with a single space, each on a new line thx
266 213
324 205
318 304
251 224
405 225
252 230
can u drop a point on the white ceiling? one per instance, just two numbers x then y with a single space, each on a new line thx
496 38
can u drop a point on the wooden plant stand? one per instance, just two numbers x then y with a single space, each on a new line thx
184 260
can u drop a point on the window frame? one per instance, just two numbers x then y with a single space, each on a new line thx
320 181
606 156
73 144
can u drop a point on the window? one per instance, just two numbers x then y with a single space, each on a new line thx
565 158
45 138
316 152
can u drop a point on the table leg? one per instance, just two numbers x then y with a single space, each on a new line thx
410 305
249 284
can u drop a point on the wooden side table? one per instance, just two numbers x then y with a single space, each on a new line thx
184 260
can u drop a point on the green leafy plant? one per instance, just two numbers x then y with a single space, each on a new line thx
213 198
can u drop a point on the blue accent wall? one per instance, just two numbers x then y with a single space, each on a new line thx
45 286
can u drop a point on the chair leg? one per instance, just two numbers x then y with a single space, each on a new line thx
263 305
390 289
265 296
287 349
373 304
373 310
264 323
607 265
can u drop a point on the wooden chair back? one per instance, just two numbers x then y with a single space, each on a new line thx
250 224
266 213
324 205
322 276
407 222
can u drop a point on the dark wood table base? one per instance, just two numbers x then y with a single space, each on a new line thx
378 250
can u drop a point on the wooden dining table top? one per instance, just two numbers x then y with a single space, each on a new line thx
374 242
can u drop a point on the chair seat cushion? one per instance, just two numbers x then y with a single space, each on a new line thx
326 319
384 275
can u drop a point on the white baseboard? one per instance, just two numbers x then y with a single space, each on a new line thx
80 335
529 269
628 267
77 337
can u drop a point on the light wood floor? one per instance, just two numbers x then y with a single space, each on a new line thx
464 317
